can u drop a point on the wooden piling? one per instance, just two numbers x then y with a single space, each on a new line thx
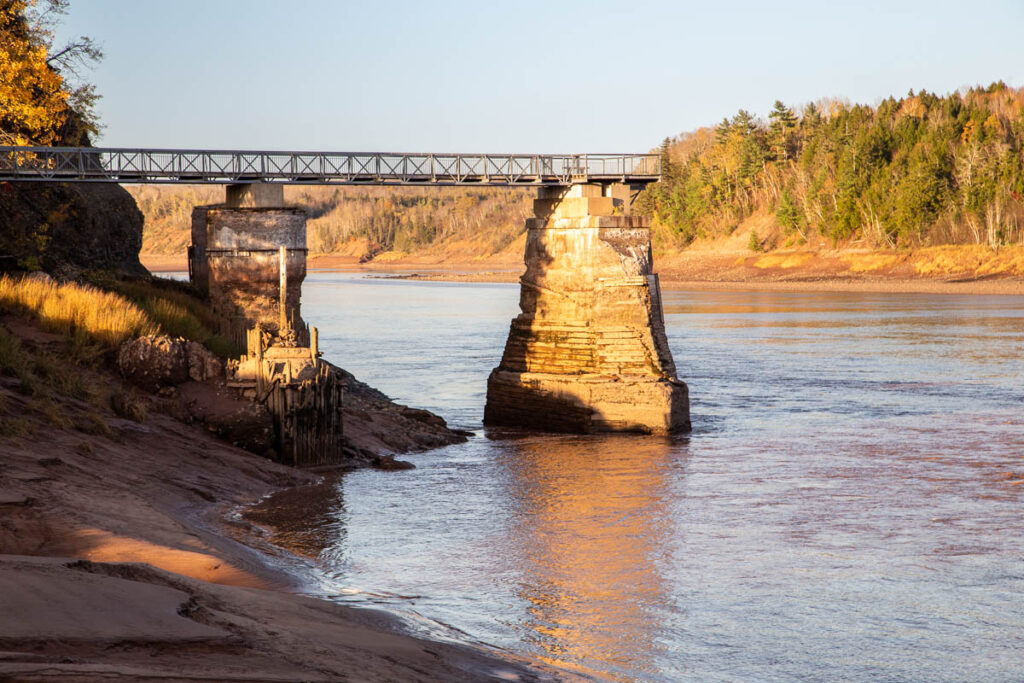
282 254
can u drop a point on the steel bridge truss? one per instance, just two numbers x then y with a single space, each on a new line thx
94 164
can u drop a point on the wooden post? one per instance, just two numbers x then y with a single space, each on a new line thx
283 269
314 339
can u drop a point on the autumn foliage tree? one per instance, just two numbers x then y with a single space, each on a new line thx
41 100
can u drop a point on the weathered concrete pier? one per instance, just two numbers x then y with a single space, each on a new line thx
248 256
235 254
588 353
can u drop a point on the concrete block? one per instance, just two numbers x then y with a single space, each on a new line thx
573 207
255 195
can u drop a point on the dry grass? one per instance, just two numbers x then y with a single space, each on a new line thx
976 260
78 311
48 380
101 315
872 261
15 362
176 311
784 260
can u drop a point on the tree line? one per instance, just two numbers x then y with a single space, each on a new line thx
918 170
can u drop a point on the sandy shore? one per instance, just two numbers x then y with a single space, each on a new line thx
689 272
122 556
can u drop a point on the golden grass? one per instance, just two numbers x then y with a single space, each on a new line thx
387 256
78 311
176 312
784 260
872 261
972 259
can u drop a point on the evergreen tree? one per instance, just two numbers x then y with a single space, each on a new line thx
780 131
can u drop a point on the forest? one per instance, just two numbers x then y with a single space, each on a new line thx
915 171
919 170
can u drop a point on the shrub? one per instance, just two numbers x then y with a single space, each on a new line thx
755 243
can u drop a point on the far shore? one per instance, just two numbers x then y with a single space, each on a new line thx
672 276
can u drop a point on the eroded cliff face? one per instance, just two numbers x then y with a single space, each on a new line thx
65 228
588 352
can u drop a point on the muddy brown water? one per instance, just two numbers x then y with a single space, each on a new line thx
848 506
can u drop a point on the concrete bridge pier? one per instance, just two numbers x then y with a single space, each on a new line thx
588 353
234 259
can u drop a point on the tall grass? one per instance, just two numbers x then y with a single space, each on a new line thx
82 312
109 311
176 311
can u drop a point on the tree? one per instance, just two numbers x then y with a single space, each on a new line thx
38 102
780 131
787 214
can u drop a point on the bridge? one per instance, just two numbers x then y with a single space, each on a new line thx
130 165
588 353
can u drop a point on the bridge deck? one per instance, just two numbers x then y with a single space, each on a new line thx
97 164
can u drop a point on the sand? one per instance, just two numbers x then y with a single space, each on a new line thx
696 270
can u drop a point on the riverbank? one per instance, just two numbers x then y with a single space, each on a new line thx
968 269
205 596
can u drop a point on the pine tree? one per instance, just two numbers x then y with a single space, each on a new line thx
780 131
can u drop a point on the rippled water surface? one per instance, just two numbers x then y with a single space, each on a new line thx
848 505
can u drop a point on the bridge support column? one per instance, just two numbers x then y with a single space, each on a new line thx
234 258
588 353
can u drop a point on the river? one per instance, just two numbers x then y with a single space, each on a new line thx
848 506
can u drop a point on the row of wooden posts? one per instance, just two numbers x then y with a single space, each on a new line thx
303 393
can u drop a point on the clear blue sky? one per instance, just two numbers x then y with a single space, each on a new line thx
508 76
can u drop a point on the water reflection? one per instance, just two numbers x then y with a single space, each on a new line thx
592 531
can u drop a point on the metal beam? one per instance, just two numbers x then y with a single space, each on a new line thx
124 165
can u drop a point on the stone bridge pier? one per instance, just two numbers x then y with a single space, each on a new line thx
588 353
235 259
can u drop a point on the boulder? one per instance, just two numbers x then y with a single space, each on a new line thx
65 228
154 361
203 364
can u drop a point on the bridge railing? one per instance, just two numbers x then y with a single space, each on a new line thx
124 165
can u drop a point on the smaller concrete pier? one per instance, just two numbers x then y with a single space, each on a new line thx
249 256
588 353
234 258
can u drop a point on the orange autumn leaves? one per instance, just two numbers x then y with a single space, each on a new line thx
33 97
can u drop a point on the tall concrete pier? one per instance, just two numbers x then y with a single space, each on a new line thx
588 353
234 258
